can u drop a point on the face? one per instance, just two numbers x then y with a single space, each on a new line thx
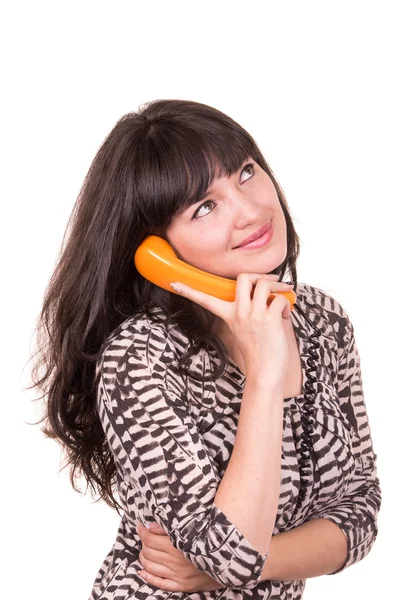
206 234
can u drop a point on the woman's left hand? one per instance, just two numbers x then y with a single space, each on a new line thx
167 568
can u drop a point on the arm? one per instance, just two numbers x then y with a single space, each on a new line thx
356 513
316 547
343 533
166 464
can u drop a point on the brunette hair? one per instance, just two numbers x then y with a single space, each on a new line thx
154 161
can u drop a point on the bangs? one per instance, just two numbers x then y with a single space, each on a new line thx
179 164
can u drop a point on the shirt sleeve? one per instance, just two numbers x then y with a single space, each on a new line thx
356 513
157 442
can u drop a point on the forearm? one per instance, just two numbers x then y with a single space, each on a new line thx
250 488
317 547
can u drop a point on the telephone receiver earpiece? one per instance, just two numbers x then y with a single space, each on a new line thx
156 260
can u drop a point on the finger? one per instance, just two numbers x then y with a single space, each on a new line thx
211 303
245 287
159 548
175 561
156 528
160 582
150 537
262 291
162 557
153 567
286 314
158 574
280 304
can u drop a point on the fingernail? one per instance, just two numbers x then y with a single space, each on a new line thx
176 287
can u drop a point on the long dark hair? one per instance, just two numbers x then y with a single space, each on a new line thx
153 162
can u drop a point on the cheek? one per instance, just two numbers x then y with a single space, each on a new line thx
203 243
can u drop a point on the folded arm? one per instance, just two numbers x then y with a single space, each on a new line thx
356 513
169 469
317 547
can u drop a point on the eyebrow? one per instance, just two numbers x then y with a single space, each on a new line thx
189 205
186 207
209 192
203 197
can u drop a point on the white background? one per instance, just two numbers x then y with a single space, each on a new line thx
314 83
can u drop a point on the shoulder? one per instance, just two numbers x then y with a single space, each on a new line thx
316 296
142 338
322 305
144 354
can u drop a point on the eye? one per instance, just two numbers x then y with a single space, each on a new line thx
200 207
248 166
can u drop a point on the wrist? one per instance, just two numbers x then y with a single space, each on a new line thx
267 571
257 380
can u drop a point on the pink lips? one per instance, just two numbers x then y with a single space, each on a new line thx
257 236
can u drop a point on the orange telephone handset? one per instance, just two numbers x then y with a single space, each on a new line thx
156 260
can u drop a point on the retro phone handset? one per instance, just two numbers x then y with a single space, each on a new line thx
156 260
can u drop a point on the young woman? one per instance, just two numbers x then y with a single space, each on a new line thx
238 430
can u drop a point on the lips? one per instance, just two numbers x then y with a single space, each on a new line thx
255 235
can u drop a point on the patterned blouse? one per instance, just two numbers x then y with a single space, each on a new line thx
172 437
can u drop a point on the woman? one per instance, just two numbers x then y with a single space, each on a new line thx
237 429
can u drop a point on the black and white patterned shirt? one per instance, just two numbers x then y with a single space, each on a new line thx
172 438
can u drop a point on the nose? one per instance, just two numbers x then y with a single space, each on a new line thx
247 213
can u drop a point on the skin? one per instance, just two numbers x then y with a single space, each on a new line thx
206 234
314 548
166 567
234 209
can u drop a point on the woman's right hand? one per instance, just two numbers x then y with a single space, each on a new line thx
258 329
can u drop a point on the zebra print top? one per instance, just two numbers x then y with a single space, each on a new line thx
172 438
